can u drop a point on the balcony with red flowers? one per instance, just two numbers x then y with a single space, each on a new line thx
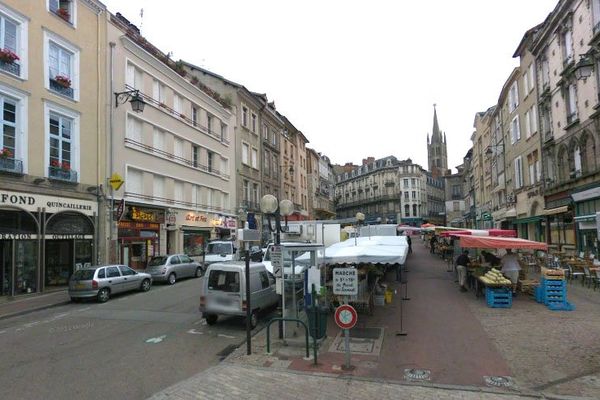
61 171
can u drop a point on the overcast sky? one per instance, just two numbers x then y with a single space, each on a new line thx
358 78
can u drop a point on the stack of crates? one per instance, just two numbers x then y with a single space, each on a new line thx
498 297
553 293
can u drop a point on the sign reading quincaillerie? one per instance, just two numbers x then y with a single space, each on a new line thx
52 204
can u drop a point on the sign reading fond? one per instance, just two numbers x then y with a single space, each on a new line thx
52 204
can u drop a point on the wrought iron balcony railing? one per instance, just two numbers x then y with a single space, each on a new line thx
61 89
11 165
60 174
11 68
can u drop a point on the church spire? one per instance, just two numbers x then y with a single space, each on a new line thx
435 133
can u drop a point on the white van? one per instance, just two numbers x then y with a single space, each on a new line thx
219 251
223 291
297 275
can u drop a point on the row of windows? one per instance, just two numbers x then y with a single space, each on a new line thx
61 58
168 145
190 194
183 107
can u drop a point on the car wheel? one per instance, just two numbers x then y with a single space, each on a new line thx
172 278
254 319
145 286
211 319
103 295
75 299
199 272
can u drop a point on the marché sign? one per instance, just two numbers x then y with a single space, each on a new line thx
345 281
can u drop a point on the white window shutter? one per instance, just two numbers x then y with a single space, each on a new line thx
156 90
518 128
130 79
538 170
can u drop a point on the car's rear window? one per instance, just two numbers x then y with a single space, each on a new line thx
155 261
225 281
84 274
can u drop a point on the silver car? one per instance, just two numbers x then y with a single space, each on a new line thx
102 281
169 268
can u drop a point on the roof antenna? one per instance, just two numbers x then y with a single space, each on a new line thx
141 19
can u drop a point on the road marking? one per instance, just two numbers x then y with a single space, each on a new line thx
201 322
226 336
84 309
156 339
1 332
195 332
29 325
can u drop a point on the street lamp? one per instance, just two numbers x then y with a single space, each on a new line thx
360 217
270 207
134 98
584 67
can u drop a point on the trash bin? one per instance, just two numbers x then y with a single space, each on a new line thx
321 330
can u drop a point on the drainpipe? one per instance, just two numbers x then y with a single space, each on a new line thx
111 157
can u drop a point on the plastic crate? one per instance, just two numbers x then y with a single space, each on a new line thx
539 294
561 306
498 297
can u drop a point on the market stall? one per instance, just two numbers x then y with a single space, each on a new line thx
371 256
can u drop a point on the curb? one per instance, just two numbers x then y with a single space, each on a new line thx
31 310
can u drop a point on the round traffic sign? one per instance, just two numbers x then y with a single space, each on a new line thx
345 316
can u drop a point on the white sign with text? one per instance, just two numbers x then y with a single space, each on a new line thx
345 281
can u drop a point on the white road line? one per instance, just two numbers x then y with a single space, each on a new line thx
1 332
155 340
84 309
29 325
195 332
226 336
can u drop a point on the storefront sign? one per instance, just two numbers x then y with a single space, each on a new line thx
230 222
57 236
533 193
17 236
138 214
586 194
120 210
192 217
139 225
598 224
52 204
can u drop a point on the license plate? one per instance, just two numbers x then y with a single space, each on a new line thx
80 286
223 301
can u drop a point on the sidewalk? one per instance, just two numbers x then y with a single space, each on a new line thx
12 307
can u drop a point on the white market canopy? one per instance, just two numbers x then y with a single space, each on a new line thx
387 250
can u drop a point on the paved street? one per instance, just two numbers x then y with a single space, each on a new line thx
134 345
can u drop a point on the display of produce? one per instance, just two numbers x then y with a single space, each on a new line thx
494 277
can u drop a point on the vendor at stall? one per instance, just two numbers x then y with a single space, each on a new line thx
490 258
462 262
511 268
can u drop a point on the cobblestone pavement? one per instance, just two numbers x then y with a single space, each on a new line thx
555 351
232 380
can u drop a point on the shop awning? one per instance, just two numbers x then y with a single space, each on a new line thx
500 243
557 210
528 220
482 232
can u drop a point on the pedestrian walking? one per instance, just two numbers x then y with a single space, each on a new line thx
432 243
409 241
462 262
511 268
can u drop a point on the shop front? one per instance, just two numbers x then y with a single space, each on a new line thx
43 240
140 235
189 231
559 222
587 205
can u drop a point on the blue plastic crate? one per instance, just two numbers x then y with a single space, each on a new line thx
561 306
539 294
498 297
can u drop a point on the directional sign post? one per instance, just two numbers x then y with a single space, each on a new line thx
345 318
276 261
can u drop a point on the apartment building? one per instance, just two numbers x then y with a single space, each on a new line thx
412 183
567 67
294 170
271 127
435 206
454 198
176 156
52 142
320 186
486 182
246 108
525 146
372 188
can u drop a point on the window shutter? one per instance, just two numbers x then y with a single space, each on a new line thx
10 35
538 170
53 5
518 128
156 90
130 75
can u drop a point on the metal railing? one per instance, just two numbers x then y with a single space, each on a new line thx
194 123
60 89
11 165
181 160
11 68
60 174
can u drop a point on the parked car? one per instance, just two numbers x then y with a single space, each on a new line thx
256 253
169 268
219 251
223 291
102 281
